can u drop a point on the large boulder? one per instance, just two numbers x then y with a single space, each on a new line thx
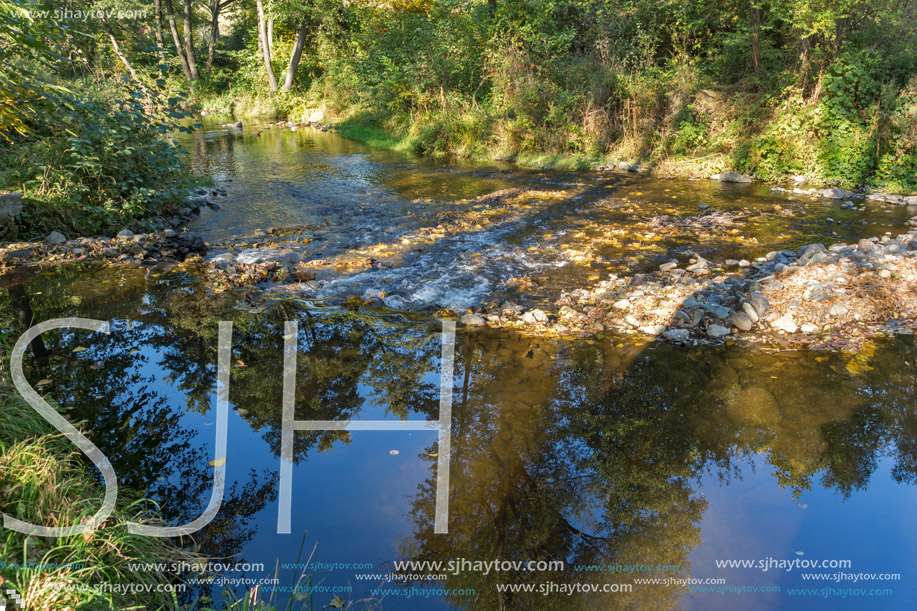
10 207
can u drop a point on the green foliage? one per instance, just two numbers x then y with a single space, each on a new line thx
97 163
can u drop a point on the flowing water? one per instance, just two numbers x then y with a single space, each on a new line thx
629 463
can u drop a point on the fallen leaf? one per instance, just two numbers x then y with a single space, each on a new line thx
394 452
219 462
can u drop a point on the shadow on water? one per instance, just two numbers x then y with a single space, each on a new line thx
581 451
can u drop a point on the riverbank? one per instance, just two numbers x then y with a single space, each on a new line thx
43 483
727 154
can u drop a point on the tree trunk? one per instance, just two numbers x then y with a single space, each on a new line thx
157 18
117 49
295 56
214 33
270 34
754 14
265 49
189 41
170 12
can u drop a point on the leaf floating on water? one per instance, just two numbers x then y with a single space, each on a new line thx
219 462
288 336
79 349
799 553
240 363
337 603
134 351
434 455
394 452
43 382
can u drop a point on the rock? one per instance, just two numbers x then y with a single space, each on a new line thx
534 316
885 273
669 265
622 304
631 320
785 323
10 207
838 309
799 178
623 165
808 327
812 254
741 321
834 193
865 245
760 303
169 233
750 312
717 331
472 320
55 238
109 252
190 243
677 335
16 256
731 177
719 311
125 234
510 308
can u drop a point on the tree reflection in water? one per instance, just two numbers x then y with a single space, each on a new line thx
578 451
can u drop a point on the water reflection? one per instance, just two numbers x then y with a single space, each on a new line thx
583 451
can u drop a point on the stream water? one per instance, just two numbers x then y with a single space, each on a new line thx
627 462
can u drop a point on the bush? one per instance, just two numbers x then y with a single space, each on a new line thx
98 163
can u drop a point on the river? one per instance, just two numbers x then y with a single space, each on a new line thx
628 461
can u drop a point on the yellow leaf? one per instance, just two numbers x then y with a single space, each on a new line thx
394 452
218 462
80 349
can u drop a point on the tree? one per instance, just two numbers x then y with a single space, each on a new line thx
265 46
189 41
176 39
295 56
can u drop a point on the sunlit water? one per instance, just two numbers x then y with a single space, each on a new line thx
581 228
577 451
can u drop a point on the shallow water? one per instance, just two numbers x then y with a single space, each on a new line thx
597 455
362 203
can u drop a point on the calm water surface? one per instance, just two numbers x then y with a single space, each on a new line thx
583 451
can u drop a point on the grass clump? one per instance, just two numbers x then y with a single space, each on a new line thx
43 481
